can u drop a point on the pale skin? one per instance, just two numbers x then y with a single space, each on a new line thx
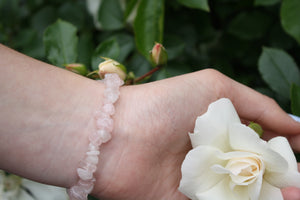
46 117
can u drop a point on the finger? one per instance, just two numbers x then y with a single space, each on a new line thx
253 106
291 193
295 142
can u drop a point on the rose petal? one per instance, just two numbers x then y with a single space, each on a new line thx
255 188
212 127
282 146
236 154
281 180
222 191
269 192
290 177
222 170
243 138
255 185
196 173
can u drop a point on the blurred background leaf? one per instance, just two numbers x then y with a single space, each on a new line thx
290 17
265 2
200 4
60 42
110 15
228 38
295 99
148 25
250 25
109 48
279 70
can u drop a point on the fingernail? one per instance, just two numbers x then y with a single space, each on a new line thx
296 118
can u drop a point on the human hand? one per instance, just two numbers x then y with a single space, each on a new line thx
150 139
45 126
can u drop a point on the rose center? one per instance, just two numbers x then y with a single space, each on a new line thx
244 171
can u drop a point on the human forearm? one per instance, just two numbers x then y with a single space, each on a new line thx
45 117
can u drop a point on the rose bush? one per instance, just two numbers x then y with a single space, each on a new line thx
230 161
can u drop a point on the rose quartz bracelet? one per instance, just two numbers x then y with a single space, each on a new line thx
104 127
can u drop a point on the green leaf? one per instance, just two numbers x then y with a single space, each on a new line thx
148 25
109 48
85 48
60 43
295 99
278 38
199 4
290 17
279 70
92 198
110 15
265 2
43 18
174 46
126 44
30 43
129 8
10 12
138 64
250 25
69 11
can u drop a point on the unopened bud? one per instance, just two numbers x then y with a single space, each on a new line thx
257 128
112 66
131 75
93 75
78 68
159 54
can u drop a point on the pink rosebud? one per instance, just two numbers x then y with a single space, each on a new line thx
77 68
158 54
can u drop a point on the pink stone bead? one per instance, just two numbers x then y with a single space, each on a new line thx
88 166
93 153
95 138
105 123
109 109
93 147
77 193
100 114
84 174
104 135
92 159
110 95
112 80
87 185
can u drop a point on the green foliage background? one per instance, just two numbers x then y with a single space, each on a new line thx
255 42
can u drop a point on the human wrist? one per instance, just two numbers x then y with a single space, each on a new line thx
103 129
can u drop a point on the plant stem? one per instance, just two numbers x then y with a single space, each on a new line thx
147 74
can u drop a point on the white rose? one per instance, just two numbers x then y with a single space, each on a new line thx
230 162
